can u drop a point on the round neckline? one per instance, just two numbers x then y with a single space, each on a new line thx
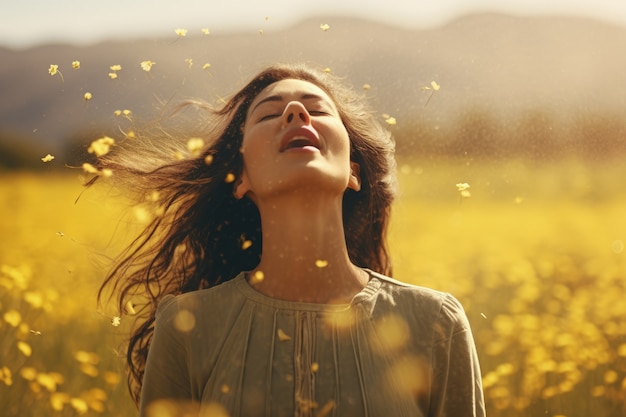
372 286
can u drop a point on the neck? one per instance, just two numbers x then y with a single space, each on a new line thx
304 256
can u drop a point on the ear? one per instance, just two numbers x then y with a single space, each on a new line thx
354 183
242 186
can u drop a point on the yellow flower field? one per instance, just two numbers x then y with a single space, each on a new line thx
534 252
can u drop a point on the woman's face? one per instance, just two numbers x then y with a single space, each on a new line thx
294 139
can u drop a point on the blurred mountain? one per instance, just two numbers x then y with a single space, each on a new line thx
500 64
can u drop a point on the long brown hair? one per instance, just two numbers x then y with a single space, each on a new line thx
196 240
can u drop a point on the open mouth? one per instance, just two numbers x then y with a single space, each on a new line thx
299 143
300 138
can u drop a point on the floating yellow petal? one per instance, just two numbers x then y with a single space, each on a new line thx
463 188
112 75
391 121
116 67
321 263
147 65
324 27
195 145
257 277
101 146
282 336
54 70
47 158
205 31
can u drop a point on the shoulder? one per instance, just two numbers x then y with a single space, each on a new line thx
420 305
216 298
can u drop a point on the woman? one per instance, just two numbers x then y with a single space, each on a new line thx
267 269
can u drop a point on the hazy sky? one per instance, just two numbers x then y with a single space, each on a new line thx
30 22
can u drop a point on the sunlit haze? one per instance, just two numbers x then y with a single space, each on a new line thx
36 22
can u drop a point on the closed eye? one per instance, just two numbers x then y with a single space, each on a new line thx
269 116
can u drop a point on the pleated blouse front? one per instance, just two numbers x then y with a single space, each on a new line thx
387 353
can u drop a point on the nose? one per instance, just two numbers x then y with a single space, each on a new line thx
295 111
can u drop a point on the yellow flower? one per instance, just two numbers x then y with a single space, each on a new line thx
101 146
13 317
112 75
147 65
24 348
6 376
116 67
58 400
205 31
462 186
34 298
83 356
189 62
54 70
115 321
76 64
47 381
433 87
181 32
47 158
463 189
366 86
324 27
88 96
391 121
206 66
112 378
79 405
28 373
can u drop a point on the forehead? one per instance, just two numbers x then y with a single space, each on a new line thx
291 89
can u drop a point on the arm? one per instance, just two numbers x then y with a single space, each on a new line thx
166 375
457 385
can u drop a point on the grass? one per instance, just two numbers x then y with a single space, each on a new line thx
536 255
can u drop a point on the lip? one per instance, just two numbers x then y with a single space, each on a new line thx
301 132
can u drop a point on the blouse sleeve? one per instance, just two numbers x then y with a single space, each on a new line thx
166 374
457 386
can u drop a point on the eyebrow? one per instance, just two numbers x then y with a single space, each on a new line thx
280 98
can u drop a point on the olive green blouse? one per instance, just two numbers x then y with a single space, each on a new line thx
395 350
